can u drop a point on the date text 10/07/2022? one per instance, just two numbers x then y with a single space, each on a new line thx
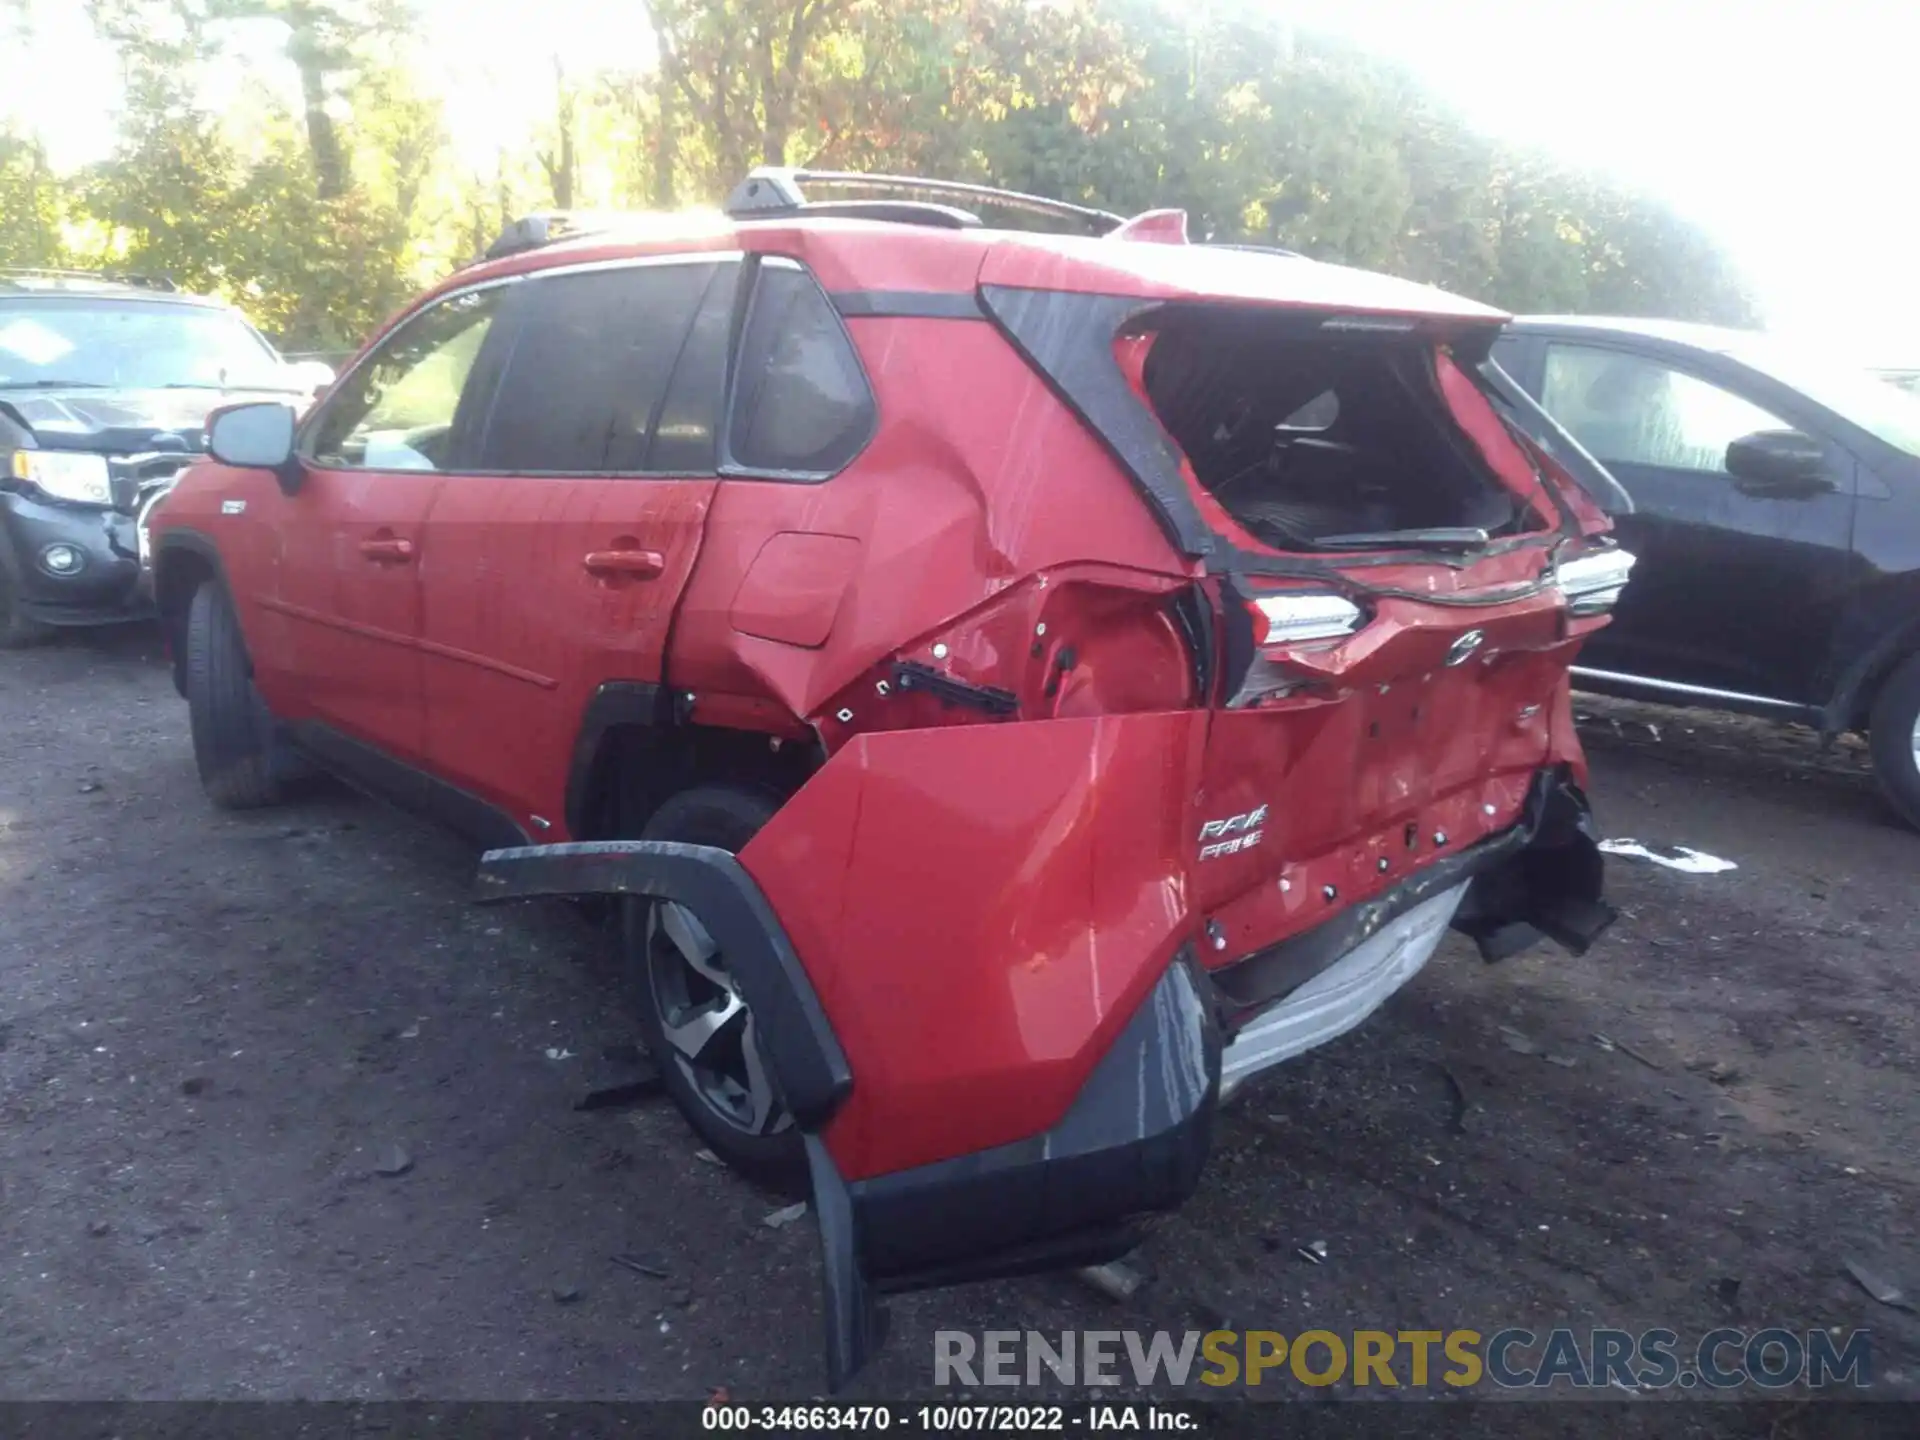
930 1419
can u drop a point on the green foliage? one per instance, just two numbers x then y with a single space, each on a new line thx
31 205
321 201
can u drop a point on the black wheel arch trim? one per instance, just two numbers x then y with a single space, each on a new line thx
1853 696
1134 1141
193 542
615 704
183 541
795 1036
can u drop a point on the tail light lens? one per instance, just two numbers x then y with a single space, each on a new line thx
1592 583
1288 618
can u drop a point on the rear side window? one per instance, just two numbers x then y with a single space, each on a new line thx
801 405
612 372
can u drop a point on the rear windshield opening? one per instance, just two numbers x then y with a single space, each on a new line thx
1322 441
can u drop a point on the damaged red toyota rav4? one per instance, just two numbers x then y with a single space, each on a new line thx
1017 684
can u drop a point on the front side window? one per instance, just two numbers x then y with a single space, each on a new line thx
396 410
1627 410
801 406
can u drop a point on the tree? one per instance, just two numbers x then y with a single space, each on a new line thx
323 211
30 205
328 42
741 69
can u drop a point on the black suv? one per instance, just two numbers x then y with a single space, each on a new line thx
105 385
1776 521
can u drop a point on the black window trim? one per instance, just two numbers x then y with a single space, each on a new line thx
730 469
585 267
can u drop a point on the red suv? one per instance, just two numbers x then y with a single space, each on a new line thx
1020 684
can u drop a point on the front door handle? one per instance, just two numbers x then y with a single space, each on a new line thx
643 564
389 549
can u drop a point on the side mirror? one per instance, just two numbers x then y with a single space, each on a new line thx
1781 463
257 436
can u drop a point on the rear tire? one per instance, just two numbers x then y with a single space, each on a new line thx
1893 736
683 994
233 741
17 631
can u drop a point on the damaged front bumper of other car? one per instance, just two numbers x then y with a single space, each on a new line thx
1009 1066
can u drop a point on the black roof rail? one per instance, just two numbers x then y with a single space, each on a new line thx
772 191
550 227
97 277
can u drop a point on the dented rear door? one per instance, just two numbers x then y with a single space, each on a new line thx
556 566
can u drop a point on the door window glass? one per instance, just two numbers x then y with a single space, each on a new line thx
686 436
588 371
1628 410
396 410
801 406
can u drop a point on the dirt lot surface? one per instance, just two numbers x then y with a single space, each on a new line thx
215 1030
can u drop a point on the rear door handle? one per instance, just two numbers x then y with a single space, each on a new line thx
387 549
644 564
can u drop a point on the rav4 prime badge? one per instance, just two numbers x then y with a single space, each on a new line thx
1231 835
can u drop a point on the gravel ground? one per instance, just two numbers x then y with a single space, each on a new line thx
217 1031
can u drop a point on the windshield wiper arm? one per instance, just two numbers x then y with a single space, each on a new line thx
1444 538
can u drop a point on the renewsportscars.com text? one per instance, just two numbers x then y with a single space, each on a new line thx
1773 1358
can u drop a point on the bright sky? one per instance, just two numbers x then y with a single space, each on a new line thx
1786 127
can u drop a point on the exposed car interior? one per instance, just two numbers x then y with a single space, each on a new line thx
1314 441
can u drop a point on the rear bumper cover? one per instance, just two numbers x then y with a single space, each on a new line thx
1538 879
1135 1139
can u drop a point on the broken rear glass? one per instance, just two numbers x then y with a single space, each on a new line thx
1320 441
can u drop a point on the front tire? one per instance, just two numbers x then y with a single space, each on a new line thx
695 1023
1893 737
233 740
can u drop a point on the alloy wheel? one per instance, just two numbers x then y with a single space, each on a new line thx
707 1026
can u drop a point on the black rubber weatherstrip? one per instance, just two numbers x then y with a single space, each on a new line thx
799 1045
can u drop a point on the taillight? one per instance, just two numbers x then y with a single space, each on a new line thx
1290 617
1286 619
1592 583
